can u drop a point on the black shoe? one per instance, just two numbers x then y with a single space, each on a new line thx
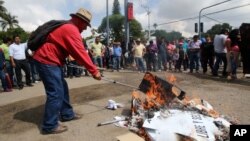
20 87
29 85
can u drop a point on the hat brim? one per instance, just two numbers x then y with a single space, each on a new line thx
81 17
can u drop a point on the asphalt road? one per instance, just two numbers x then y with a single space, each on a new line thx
21 110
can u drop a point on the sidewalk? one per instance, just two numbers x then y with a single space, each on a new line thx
38 90
26 126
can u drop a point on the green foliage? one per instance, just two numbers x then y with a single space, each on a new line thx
116 23
170 36
216 29
135 29
15 31
116 7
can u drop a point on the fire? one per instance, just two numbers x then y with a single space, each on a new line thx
171 78
158 92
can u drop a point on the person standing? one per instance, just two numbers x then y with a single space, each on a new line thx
233 51
152 51
2 72
194 52
50 57
139 51
5 47
245 48
207 54
19 62
117 53
220 52
97 52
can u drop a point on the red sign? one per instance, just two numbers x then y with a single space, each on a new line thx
130 11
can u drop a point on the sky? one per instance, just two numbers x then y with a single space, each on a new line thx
32 13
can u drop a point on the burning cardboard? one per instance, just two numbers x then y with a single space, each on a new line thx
164 113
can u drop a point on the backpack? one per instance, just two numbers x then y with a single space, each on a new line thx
39 36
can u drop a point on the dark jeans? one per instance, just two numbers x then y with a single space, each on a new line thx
34 73
3 80
194 61
116 62
57 100
152 61
22 64
179 63
140 64
73 70
220 57
207 59
98 61
162 61
10 71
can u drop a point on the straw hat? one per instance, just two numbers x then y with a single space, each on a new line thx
84 15
138 40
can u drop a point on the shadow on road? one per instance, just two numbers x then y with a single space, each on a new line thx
33 115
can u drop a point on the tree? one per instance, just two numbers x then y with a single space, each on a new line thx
2 8
116 7
116 22
216 29
170 36
9 21
15 31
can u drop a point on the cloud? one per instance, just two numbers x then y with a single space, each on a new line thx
31 13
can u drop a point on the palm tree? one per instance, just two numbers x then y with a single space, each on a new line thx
2 8
8 21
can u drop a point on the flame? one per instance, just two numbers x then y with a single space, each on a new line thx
156 95
171 78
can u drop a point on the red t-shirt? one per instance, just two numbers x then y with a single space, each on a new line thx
62 42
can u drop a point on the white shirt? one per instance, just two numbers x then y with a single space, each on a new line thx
195 45
18 51
219 43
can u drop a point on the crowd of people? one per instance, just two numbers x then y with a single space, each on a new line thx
186 55
64 53
190 55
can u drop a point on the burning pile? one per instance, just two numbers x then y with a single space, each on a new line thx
165 113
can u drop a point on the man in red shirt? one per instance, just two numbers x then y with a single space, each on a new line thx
50 57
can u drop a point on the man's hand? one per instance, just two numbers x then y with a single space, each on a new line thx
97 76
13 65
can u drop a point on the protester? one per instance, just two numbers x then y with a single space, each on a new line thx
207 54
194 54
139 51
2 72
220 52
233 51
97 52
162 54
152 51
19 61
117 53
50 57
245 48
5 47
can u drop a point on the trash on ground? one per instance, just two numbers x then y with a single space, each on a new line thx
113 105
161 114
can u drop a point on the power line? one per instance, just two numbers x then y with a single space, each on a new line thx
228 9
212 19
192 18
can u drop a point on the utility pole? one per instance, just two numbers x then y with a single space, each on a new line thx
126 24
148 13
107 20
199 28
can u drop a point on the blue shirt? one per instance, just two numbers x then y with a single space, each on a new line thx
117 51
